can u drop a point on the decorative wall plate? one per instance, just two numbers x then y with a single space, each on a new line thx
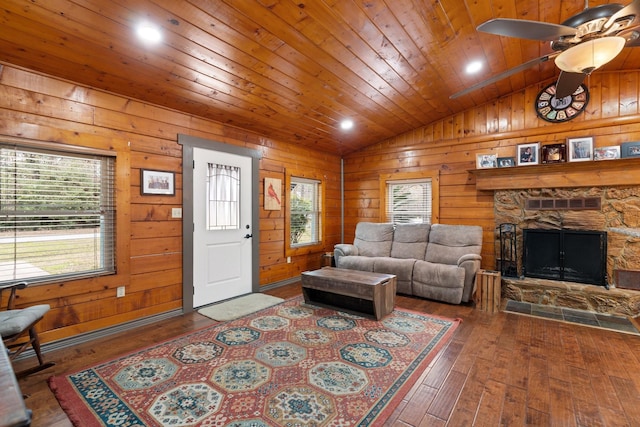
555 110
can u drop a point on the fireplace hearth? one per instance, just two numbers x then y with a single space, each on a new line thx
569 255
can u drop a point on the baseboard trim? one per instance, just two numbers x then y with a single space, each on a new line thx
100 333
274 285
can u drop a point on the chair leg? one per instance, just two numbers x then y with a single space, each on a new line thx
35 343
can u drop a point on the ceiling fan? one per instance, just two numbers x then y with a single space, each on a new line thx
580 44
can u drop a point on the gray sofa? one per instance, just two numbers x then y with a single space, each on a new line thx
435 261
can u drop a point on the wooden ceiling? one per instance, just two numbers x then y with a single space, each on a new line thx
289 70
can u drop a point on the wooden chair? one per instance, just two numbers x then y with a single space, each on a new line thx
16 324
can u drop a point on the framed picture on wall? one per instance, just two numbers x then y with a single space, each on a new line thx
528 154
580 149
272 194
157 183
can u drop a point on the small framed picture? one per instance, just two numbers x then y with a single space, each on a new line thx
157 183
486 161
606 153
580 149
506 162
272 196
554 153
528 154
630 149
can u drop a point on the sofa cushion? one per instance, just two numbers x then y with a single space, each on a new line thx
355 262
402 268
438 281
374 239
410 241
442 275
447 243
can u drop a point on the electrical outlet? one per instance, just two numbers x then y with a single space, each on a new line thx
176 212
288 260
120 292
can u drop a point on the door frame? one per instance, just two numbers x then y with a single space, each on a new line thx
188 143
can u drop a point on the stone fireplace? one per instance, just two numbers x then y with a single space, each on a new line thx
612 210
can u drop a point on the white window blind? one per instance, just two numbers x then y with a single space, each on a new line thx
57 215
304 212
409 201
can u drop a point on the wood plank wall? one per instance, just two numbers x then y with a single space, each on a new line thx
149 242
451 146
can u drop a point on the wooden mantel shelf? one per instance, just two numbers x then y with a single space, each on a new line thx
560 175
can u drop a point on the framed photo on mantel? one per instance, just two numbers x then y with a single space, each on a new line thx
528 154
506 162
580 149
484 161
630 149
606 153
554 153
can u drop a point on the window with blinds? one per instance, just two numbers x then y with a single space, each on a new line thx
409 201
304 212
57 215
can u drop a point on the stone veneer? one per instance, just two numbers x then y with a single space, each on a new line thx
621 302
619 216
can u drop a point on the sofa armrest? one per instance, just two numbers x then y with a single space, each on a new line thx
468 257
343 249
471 264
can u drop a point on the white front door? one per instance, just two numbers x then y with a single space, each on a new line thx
222 242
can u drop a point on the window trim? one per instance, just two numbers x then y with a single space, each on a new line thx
313 247
433 174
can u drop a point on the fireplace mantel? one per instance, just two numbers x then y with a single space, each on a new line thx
560 175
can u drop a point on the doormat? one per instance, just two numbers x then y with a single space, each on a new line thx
240 306
288 365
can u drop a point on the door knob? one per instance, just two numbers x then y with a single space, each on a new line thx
248 236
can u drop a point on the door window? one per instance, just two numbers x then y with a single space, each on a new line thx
223 197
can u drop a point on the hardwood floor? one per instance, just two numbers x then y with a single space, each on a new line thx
499 370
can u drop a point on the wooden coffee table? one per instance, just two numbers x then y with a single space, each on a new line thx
350 290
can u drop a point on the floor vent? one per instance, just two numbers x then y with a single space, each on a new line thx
582 203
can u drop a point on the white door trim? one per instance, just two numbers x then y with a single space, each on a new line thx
188 143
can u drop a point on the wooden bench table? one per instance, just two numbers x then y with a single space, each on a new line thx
350 290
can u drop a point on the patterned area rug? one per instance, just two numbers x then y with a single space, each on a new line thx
288 365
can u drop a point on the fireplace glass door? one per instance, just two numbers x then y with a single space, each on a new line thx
571 255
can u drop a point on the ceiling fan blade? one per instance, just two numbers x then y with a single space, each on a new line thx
632 8
568 83
503 75
524 29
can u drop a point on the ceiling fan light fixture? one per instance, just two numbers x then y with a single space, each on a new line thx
586 57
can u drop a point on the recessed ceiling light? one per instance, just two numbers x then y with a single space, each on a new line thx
346 124
149 32
473 67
